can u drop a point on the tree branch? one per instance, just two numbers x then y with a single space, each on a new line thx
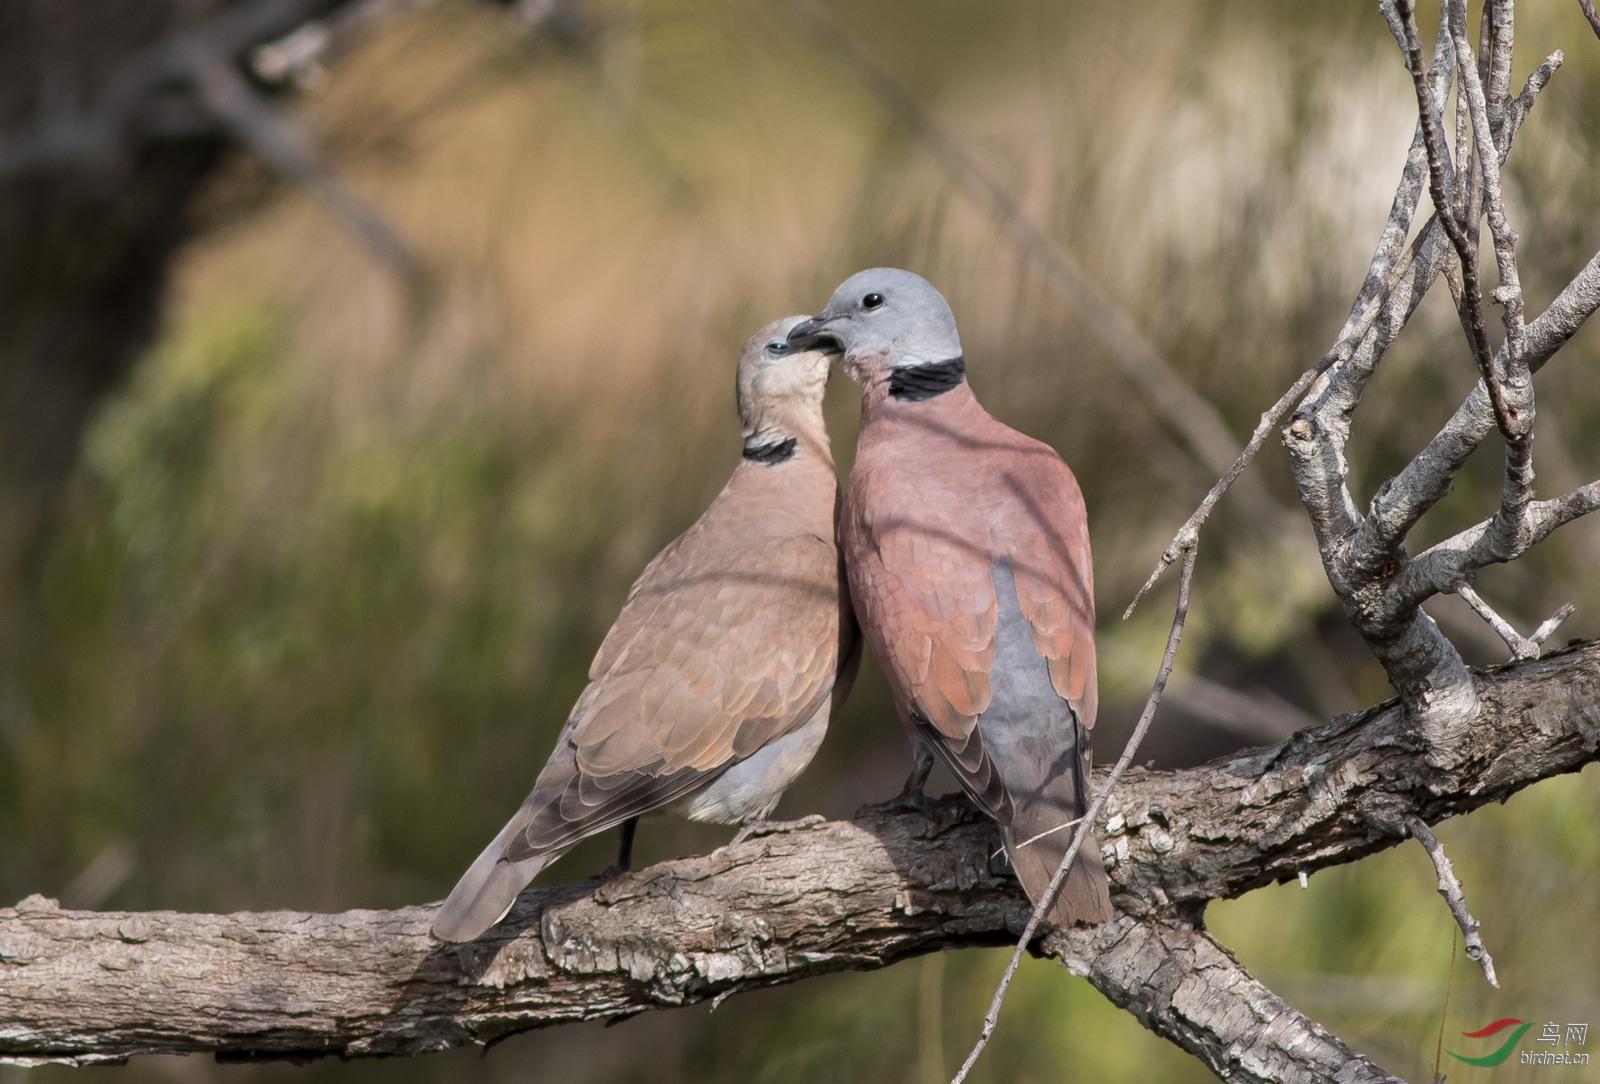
1404 499
809 898
1590 14
1189 989
1521 647
1450 889
1443 181
1441 566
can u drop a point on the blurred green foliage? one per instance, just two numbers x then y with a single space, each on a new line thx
334 565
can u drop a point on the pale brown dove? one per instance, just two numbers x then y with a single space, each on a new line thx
716 683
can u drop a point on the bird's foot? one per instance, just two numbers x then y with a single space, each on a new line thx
613 871
904 802
941 814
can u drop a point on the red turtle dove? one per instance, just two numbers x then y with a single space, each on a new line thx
967 548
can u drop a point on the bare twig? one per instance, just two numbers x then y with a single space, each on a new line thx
1086 827
1481 105
1521 647
1188 535
1465 193
1381 274
1548 627
1179 406
1443 565
1441 187
1450 889
1517 112
1590 14
1496 37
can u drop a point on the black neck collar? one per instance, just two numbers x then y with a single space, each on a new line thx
918 382
771 453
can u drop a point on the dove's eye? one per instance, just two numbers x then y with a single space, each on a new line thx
872 301
777 347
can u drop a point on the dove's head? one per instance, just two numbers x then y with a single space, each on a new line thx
888 323
779 389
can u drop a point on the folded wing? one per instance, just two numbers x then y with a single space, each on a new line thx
720 649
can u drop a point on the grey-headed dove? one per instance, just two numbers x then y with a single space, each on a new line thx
967 549
716 683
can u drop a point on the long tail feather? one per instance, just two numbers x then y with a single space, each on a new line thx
1084 895
485 892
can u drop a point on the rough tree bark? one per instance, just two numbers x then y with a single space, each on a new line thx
807 898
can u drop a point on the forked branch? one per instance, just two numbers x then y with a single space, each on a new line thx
1380 586
1441 185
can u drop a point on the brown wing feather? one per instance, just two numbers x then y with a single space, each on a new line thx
636 612
726 660
1050 558
927 606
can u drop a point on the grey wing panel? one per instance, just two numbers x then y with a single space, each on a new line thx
1040 749
1030 733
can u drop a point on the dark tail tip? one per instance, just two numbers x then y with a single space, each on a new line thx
1084 897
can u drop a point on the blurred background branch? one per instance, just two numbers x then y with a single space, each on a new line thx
1179 405
258 126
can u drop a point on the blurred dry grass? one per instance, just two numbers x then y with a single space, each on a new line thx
336 562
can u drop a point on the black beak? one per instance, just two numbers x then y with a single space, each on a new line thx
812 334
